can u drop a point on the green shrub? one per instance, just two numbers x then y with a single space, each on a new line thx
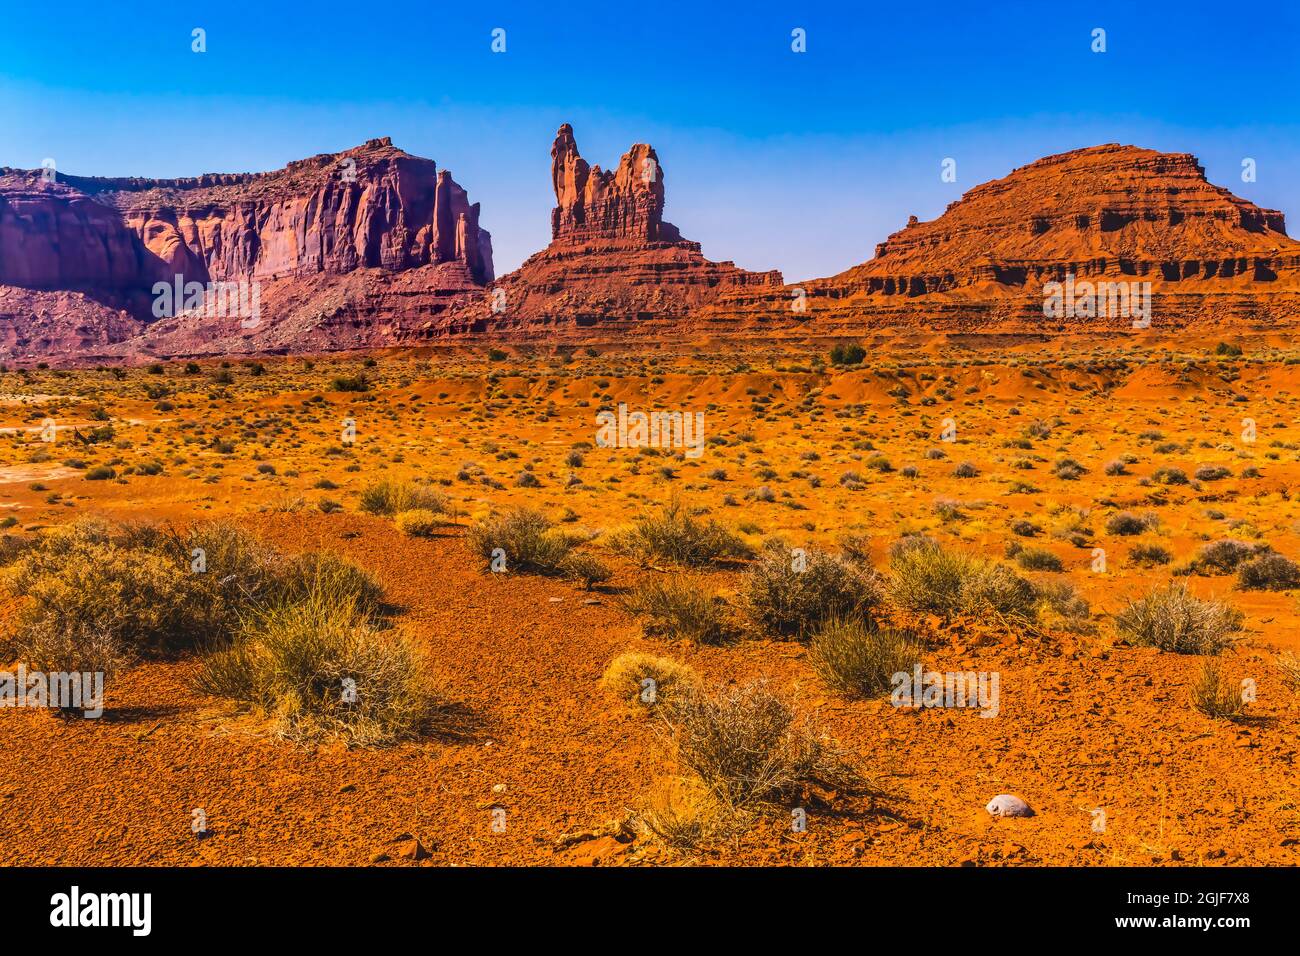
1226 556
1268 572
1170 476
850 354
79 580
350 383
1038 559
1149 555
155 591
1125 523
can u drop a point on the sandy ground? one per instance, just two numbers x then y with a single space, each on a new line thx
1085 724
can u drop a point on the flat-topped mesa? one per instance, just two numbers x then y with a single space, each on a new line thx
373 206
303 228
1110 213
1101 209
627 203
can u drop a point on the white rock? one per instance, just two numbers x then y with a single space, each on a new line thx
1006 805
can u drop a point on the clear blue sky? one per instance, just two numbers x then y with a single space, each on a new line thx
800 162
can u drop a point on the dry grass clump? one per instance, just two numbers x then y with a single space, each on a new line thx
320 666
645 681
47 647
1173 619
587 569
391 497
926 578
678 608
417 522
526 538
858 659
749 749
1062 607
673 536
788 594
314 571
682 813
1289 666
150 590
1215 696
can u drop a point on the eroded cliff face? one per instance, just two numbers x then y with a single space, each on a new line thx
1116 214
53 236
613 260
372 208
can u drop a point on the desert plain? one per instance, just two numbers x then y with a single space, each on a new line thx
1098 469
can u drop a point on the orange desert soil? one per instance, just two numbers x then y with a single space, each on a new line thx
1086 721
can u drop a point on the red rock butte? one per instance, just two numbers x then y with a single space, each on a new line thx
613 260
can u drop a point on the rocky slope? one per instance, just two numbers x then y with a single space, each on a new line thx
1108 213
613 260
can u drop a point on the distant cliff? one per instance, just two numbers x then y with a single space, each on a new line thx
372 207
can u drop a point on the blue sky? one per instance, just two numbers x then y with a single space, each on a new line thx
801 162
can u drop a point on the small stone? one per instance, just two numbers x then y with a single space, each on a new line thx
1008 805
407 847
